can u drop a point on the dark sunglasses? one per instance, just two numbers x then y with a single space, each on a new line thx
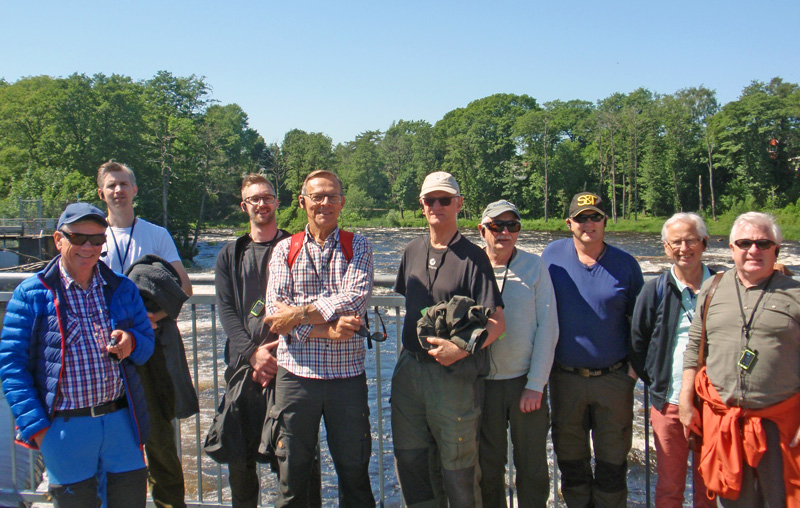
377 336
429 202
497 226
594 217
745 244
80 239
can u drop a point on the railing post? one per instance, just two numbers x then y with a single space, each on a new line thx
196 369
379 388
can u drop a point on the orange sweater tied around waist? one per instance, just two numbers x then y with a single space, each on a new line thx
733 436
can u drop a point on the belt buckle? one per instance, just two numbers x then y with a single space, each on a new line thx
92 413
585 372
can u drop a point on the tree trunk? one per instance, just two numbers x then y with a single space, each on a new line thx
700 191
711 177
613 180
546 183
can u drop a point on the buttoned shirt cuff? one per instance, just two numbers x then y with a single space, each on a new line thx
301 332
326 310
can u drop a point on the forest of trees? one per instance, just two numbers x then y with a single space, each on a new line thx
645 153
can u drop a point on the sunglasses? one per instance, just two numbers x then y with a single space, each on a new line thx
745 244
377 336
594 217
497 226
429 202
80 239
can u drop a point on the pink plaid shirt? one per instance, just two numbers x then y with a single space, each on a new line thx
323 277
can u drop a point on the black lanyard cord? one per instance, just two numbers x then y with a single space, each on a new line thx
441 263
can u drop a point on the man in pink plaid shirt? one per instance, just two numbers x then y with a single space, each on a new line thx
316 303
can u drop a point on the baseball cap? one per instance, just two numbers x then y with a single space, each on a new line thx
492 210
585 201
79 211
440 181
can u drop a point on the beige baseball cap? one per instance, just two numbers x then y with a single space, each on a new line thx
440 181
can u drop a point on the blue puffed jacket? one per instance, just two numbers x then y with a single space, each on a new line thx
32 347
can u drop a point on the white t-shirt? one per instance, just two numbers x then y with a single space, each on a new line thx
120 250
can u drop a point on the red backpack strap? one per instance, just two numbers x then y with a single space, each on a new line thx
294 247
346 242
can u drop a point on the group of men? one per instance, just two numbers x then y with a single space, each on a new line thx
509 327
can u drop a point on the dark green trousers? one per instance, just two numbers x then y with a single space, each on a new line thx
529 438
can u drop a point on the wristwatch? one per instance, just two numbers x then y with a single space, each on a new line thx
304 318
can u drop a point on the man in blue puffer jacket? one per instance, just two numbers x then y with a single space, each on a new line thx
71 336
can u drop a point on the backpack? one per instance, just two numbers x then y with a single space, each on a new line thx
345 240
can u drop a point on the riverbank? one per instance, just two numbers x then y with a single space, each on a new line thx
788 219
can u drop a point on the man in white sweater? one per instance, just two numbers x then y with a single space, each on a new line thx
520 365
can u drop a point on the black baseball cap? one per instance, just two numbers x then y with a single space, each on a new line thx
585 201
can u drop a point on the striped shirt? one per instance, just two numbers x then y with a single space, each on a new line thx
323 277
89 376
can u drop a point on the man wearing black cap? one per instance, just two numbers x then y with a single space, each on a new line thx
71 336
591 385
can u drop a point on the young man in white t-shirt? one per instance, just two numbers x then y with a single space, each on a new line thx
127 239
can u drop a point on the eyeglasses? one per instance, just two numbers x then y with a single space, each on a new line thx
257 200
583 218
445 201
333 199
377 336
690 243
497 226
80 239
745 244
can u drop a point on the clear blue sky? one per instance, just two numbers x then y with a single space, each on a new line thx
345 67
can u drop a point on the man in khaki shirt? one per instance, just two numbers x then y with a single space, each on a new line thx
753 362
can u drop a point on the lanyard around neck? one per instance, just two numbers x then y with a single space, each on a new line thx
505 273
441 263
120 257
748 324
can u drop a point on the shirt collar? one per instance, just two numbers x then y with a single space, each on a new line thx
681 285
69 282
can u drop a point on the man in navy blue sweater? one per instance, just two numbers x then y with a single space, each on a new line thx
591 384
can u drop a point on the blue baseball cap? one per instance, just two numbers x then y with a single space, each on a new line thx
81 211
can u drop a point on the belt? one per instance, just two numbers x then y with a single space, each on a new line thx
99 410
581 371
421 357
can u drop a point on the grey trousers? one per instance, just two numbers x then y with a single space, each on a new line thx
300 403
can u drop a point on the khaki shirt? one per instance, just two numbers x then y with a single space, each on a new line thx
774 335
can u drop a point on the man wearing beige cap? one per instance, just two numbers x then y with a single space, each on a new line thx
591 385
436 388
